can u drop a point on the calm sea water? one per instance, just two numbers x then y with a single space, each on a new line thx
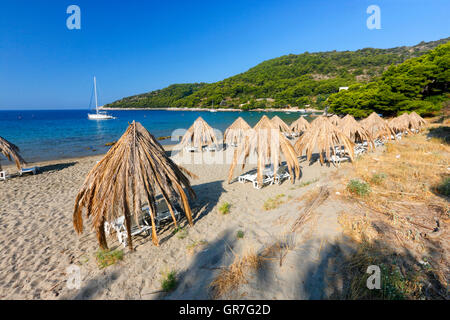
56 134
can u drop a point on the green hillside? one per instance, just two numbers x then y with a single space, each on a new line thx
419 84
291 80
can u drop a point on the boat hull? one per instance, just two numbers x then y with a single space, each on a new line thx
98 116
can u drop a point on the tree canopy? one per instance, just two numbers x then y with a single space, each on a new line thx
418 84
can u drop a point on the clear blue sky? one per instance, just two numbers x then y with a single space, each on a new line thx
137 46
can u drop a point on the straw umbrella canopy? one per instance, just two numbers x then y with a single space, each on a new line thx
418 121
199 134
323 136
378 127
280 124
131 174
300 125
401 123
267 142
236 132
334 119
11 152
355 131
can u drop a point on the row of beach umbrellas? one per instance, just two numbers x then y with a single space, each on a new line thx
136 169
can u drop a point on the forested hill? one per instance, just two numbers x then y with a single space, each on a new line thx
291 80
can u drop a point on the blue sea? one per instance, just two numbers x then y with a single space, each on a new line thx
57 134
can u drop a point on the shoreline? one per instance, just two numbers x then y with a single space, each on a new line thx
10 166
305 111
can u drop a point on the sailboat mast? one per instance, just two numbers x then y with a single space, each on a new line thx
95 92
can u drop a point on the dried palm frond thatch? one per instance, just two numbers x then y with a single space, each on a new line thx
199 134
236 132
417 120
266 142
11 152
401 123
335 119
323 136
130 175
378 127
355 131
280 124
300 125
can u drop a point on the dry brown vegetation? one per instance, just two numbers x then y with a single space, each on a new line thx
402 225
236 274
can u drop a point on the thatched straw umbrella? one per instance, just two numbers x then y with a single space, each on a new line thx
11 152
323 136
236 132
418 121
334 119
131 174
280 124
300 125
355 131
199 134
266 141
401 123
378 127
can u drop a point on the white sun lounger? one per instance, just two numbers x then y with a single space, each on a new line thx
32 170
3 175
145 227
210 148
336 159
247 177
378 143
190 149
267 179
119 226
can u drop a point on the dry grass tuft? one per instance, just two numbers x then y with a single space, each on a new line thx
273 203
236 274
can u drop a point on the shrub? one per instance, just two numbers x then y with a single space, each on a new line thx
225 208
359 188
444 187
240 234
377 178
106 258
273 203
169 281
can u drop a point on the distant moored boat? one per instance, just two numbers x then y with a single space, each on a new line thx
98 115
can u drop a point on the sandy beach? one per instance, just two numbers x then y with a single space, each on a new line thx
38 240
39 243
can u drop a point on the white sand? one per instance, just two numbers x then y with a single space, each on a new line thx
38 242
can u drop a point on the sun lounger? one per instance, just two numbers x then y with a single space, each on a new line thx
119 226
281 175
210 148
161 218
32 170
336 159
247 177
144 225
190 149
378 143
268 178
3 175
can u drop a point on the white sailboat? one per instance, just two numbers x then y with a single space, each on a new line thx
98 115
